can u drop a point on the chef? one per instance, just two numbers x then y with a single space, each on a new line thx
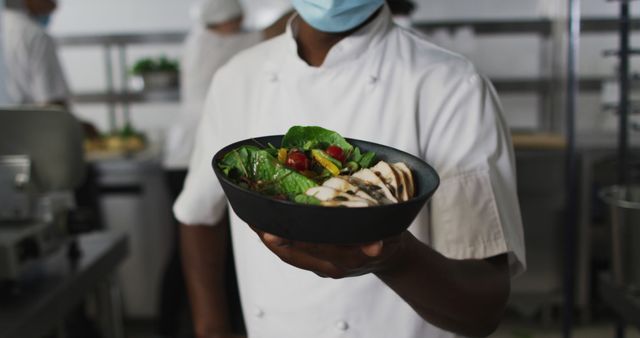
35 75
345 66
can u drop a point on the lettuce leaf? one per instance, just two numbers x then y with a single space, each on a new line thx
306 199
266 174
307 138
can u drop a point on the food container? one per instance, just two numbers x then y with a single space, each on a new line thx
335 225
160 80
624 203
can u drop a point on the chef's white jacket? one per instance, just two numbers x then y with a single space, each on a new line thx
34 73
387 85
204 53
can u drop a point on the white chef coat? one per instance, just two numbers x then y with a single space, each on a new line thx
387 85
204 53
35 75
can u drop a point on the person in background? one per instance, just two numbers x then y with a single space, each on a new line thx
345 66
401 11
216 36
214 39
35 75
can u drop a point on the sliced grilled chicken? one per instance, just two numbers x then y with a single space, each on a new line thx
408 177
332 197
368 177
392 179
403 194
372 190
347 204
341 184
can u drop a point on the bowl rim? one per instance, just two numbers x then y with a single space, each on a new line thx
414 199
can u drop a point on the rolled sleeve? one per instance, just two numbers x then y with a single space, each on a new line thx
475 213
467 223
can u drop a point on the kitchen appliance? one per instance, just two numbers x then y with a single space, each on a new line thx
41 162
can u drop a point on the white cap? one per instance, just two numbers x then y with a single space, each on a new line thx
208 12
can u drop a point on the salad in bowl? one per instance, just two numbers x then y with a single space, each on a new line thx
318 166
314 185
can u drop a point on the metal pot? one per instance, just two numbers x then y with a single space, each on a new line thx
624 203
160 80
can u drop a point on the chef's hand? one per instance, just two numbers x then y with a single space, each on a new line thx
335 261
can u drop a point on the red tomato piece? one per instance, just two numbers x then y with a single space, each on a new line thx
298 161
335 152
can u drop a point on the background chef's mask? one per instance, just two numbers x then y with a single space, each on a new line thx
43 20
336 15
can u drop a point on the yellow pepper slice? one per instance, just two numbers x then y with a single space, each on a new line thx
325 162
282 155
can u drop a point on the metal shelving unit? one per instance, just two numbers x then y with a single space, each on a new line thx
542 27
615 290
547 87
118 44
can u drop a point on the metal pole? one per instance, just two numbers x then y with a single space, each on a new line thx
623 145
108 64
571 167
623 109
125 84
116 308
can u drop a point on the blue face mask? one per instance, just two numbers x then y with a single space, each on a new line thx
336 15
43 20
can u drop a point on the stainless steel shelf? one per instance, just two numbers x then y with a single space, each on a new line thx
524 26
122 39
170 95
514 85
533 26
519 85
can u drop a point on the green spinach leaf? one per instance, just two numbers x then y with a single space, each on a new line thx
264 172
367 159
307 138
306 199
236 163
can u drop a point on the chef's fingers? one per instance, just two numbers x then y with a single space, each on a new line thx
301 259
347 257
275 240
373 249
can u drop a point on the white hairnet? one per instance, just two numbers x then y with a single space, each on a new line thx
209 12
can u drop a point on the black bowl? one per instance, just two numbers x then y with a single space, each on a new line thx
318 224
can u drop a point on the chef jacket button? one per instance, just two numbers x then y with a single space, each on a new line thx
258 312
273 78
342 325
373 79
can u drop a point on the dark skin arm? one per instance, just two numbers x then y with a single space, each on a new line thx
462 296
203 250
